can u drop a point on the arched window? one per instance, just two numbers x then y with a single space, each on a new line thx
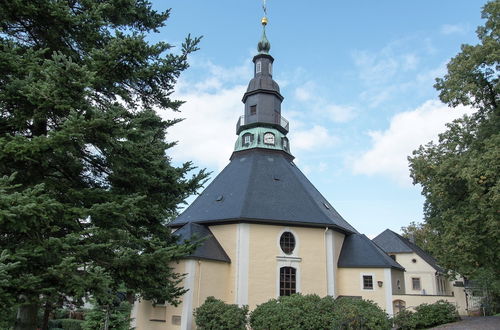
287 242
398 305
288 281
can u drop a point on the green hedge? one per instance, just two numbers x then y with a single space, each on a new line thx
294 312
354 313
215 314
426 316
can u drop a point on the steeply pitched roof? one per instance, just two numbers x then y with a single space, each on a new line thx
209 248
359 252
265 187
392 242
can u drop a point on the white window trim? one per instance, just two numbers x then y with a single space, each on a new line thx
270 67
362 283
297 244
288 262
258 67
419 283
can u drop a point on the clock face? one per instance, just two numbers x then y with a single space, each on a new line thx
269 138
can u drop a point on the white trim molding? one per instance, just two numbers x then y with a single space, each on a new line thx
361 283
293 262
297 243
243 255
330 263
388 291
187 301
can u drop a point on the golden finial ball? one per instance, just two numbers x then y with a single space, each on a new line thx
264 20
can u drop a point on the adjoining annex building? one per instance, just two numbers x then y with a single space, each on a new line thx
267 230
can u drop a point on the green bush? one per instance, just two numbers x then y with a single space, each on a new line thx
352 313
71 324
55 324
441 312
216 314
405 320
426 316
294 312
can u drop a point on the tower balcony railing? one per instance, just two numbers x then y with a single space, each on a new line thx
275 120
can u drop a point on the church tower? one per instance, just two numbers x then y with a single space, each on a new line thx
262 125
264 230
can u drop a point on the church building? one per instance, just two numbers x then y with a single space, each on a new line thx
266 230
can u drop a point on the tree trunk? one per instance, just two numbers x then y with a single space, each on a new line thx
46 314
26 317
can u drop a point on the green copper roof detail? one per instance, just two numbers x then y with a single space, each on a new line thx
264 45
262 137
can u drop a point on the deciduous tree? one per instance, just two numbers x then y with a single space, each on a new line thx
460 175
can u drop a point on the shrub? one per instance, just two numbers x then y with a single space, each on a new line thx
216 314
294 312
353 313
71 324
427 315
441 312
405 320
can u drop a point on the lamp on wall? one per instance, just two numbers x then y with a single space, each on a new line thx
380 283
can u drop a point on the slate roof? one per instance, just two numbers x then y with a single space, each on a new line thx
209 247
262 186
392 242
358 251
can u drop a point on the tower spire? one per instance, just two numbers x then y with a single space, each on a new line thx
264 45
262 126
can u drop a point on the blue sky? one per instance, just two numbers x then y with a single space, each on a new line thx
357 79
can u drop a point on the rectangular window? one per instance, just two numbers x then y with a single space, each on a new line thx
287 281
367 282
415 283
247 139
253 110
258 67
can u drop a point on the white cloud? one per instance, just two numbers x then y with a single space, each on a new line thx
320 106
407 131
447 29
207 134
309 139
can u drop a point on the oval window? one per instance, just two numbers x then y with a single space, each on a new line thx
287 242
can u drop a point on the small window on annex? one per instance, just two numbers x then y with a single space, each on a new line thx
367 282
287 242
393 256
415 283
253 110
288 281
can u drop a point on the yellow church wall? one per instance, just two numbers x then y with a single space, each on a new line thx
226 235
148 317
211 280
350 283
266 257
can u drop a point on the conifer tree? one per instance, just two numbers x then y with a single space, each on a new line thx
87 187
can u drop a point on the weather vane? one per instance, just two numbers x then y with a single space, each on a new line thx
264 7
